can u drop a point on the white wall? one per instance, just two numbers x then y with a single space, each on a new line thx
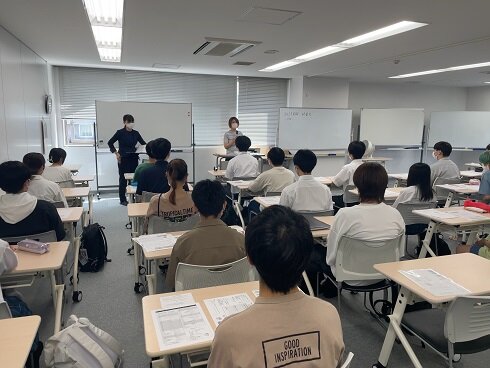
478 99
24 81
325 92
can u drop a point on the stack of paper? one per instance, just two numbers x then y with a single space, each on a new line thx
156 241
435 283
270 201
225 306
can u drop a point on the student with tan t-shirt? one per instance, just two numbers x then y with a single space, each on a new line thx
284 326
176 205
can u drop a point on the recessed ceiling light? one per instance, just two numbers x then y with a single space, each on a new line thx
375 35
106 19
434 71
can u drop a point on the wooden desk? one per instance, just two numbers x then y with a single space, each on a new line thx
473 165
400 179
152 302
217 173
325 180
391 194
471 174
462 189
30 264
129 177
459 223
16 338
267 201
81 192
137 213
381 160
68 217
83 180
323 233
74 168
461 268
131 193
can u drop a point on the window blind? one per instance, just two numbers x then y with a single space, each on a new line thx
259 100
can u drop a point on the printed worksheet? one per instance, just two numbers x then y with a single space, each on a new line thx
155 242
182 326
225 306
177 301
270 201
434 282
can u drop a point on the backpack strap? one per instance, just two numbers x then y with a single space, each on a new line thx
105 242
91 347
107 339
158 208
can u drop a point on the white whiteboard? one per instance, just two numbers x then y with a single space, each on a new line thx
172 121
392 127
463 129
315 129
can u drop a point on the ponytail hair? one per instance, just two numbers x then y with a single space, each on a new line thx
177 171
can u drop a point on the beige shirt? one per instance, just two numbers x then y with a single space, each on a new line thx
273 180
182 209
289 330
57 173
211 242
47 190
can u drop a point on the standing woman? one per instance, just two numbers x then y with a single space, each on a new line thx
230 136
127 159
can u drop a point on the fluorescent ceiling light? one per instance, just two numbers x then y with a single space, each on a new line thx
487 82
106 19
434 71
375 35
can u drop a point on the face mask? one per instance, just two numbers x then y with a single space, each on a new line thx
234 125
130 125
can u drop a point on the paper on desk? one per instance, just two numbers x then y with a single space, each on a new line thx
156 241
238 182
256 292
321 178
225 306
177 301
391 193
467 214
181 326
270 201
434 282
440 214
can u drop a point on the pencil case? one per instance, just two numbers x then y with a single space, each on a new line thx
33 246
483 206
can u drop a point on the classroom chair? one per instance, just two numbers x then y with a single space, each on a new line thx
157 224
355 261
188 276
441 193
414 224
348 360
464 328
147 196
4 310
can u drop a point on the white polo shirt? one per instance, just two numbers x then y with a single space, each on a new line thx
47 190
243 165
445 169
57 173
410 195
307 194
273 180
344 177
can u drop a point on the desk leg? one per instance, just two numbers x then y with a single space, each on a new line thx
394 330
57 291
396 184
151 278
449 200
163 362
426 243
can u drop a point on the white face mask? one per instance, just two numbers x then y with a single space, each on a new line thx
234 126
130 125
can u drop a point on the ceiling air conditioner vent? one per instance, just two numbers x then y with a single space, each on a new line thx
224 47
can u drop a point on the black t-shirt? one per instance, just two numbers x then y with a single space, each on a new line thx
127 142
44 218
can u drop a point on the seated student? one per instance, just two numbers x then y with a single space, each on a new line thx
484 190
284 326
356 150
443 168
275 179
20 212
243 165
153 179
418 187
370 220
307 194
480 248
176 205
40 187
141 167
211 242
56 171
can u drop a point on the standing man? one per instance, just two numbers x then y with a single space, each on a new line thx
127 159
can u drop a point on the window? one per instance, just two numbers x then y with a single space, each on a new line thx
78 132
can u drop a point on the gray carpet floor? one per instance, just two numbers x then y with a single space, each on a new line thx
111 304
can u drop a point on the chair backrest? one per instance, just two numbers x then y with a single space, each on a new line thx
356 257
66 184
442 193
147 196
467 319
4 310
47 237
157 225
188 276
59 204
348 360
411 218
350 197
238 210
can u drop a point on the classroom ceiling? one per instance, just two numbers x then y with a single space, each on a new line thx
168 32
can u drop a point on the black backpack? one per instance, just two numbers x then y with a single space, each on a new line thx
93 248
441 249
